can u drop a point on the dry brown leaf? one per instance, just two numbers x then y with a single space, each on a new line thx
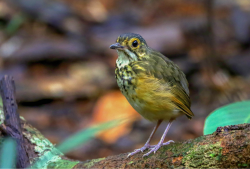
114 106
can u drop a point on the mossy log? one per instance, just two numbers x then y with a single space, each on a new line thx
228 146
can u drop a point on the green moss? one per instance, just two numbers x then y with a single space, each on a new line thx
46 151
62 164
212 155
199 156
92 162
47 158
131 162
200 139
175 149
243 165
42 144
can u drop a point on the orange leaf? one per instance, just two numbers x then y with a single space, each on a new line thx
114 106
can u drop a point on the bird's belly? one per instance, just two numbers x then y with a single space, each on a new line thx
147 102
150 108
153 112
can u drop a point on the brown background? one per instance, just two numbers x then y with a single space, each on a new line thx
58 53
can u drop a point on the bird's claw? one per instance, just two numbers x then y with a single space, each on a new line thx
156 147
152 150
139 150
168 142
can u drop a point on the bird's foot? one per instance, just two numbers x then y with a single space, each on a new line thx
156 147
168 142
140 150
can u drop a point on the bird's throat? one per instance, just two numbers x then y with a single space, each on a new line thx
124 58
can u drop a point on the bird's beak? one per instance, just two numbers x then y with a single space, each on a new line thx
116 46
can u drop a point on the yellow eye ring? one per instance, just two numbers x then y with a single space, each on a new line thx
134 43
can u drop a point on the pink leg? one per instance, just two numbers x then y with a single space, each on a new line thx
147 143
156 147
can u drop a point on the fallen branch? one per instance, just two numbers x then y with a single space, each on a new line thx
12 126
227 147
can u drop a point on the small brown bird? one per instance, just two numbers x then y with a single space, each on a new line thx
154 86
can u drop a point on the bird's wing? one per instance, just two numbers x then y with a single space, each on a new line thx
173 70
167 78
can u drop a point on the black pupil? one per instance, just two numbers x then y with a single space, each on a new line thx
135 43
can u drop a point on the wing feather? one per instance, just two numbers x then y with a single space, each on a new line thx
169 79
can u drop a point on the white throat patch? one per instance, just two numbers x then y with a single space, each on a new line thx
124 59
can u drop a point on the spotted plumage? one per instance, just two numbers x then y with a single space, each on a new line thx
154 85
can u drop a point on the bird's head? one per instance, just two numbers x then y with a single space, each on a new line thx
131 46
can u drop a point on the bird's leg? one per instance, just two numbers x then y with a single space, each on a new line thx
156 147
147 143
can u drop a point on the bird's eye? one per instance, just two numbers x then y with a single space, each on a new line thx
135 43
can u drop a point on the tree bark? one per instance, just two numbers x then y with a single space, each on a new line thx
12 126
228 146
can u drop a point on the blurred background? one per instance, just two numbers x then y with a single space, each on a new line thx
58 52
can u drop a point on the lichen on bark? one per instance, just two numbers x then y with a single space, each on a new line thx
229 146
